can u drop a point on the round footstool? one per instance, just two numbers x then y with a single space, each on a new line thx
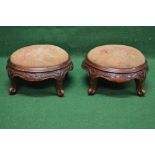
117 63
37 63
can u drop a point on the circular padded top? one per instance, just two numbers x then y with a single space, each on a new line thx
116 56
39 56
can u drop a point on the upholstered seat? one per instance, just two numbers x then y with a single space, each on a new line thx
38 63
116 63
116 56
39 56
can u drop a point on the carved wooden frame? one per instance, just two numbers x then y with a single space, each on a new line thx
38 74
116 75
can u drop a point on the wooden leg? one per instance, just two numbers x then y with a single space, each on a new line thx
140 87
13 87
92 87
59 87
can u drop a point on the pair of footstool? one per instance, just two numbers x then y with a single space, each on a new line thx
117 63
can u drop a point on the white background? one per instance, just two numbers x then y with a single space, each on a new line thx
77 142
77 13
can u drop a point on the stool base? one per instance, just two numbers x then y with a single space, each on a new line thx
115 75
38 74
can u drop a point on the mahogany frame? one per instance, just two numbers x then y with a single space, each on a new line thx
116 75
39 74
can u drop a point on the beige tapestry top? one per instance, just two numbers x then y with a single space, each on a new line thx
39 56
116 56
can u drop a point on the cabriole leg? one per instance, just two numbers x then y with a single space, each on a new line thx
93 85
13 87
59 87
140 87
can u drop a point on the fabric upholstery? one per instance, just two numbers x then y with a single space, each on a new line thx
116 56
39 56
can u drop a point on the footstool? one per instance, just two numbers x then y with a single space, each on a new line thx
116 63
37 63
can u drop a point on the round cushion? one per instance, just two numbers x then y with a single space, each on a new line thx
39 56
116 56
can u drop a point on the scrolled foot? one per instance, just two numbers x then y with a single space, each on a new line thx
60 92
12 91
91 91
141 92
